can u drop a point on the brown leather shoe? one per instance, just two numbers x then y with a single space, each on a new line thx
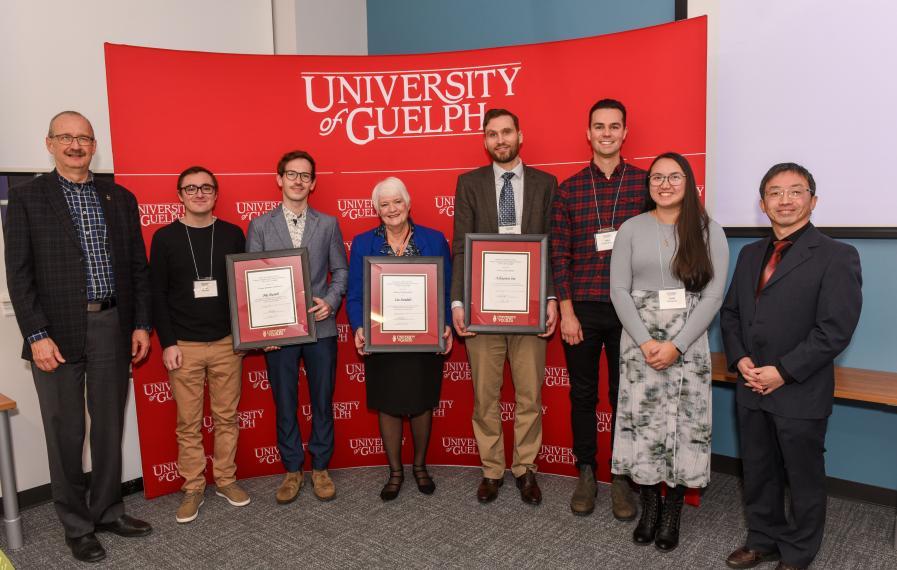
488 489
289 489
529 490
783 566
324 488
744 557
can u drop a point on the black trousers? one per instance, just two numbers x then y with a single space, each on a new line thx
600 328
776 451
103 370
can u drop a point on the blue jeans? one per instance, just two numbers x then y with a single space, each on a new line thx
283 374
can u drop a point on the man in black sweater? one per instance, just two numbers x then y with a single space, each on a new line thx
190 303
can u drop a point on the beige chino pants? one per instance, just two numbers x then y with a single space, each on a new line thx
487 354
214 363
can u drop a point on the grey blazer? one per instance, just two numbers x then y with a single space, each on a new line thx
326 254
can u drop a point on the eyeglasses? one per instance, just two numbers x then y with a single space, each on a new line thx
795 193
83 140
293 175
192 189
675 179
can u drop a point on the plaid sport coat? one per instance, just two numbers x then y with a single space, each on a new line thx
45 271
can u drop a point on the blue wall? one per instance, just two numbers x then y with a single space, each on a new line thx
862 440
422 26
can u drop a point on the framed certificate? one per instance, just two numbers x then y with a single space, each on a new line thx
270 294
505 283
404 304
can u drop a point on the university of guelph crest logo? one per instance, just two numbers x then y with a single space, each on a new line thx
556 376
268 455
166 472
158 392
370 105
445 205
355 208
557 454
258 379
248 211
355 372
159 214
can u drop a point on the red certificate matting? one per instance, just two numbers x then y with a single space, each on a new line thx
484 316
404 302
253 323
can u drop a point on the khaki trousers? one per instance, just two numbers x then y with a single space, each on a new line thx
216 363
487 354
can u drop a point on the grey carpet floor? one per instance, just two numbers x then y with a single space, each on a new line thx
446 530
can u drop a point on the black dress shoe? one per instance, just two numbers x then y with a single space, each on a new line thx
425 483
744 558
126 526
488 489
86 548
529 490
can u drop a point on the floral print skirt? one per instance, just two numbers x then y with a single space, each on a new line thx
664 416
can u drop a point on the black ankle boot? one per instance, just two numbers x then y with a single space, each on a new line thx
668 533
647 524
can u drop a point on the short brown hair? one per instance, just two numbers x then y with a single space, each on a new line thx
196 170
494 113
293 155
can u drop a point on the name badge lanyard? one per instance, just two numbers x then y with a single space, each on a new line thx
677 295
605 236
400 251
203 286
672 297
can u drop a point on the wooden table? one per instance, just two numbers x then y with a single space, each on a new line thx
11 518
856 384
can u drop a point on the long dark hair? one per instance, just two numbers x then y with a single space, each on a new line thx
691 264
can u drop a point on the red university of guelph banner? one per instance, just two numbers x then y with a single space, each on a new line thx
418 117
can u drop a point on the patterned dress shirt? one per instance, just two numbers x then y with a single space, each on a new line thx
90 225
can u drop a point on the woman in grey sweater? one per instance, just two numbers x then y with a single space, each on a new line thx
667 280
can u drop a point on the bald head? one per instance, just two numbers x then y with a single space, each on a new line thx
50 131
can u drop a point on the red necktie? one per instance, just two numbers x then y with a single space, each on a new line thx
774 260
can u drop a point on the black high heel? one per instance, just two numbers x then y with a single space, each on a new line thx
391 490
425 483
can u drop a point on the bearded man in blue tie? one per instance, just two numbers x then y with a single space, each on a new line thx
504 197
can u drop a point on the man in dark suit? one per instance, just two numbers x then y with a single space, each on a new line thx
79 283
504 197
295 224
792 307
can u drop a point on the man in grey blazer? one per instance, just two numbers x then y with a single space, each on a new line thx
504 197
295 224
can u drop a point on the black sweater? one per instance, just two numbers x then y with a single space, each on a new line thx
177 315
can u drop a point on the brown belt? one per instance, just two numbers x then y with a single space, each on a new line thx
97 306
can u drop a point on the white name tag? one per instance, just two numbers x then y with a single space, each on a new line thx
604 240
672 299
205 288
509 229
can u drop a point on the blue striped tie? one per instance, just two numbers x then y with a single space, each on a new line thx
507 215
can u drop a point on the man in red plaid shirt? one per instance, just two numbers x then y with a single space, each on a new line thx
587 211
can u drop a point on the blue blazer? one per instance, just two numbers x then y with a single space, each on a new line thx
429 242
